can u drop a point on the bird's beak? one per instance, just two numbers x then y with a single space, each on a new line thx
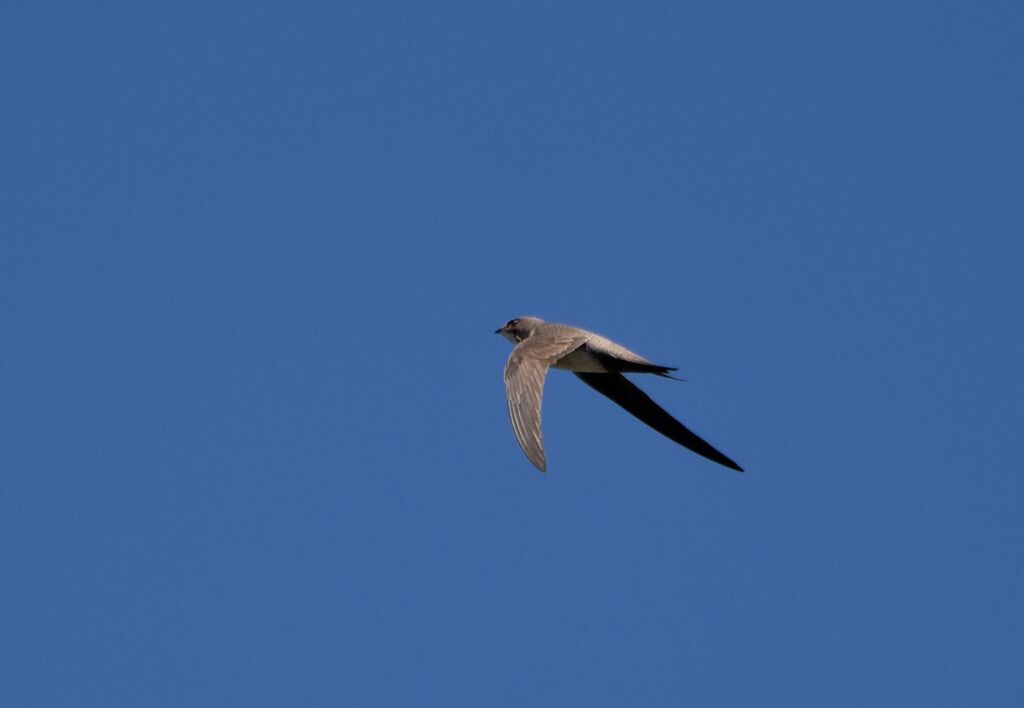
498 331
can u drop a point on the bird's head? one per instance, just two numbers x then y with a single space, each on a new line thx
519 329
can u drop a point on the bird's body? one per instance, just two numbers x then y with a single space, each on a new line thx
599 363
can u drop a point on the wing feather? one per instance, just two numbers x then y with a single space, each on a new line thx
525 371
624 392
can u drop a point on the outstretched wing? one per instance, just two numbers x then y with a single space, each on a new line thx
621 390
525 371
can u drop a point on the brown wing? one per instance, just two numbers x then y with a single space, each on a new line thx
525 372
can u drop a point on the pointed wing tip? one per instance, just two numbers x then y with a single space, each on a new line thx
730 464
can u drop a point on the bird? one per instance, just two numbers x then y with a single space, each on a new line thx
598 362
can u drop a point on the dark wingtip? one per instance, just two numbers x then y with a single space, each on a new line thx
720 459
726 462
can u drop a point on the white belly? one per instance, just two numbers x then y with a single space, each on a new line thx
581 360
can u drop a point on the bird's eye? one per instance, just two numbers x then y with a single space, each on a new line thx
512 323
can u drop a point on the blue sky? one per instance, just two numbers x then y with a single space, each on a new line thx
253 437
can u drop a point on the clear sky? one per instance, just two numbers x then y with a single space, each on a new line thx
253 440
